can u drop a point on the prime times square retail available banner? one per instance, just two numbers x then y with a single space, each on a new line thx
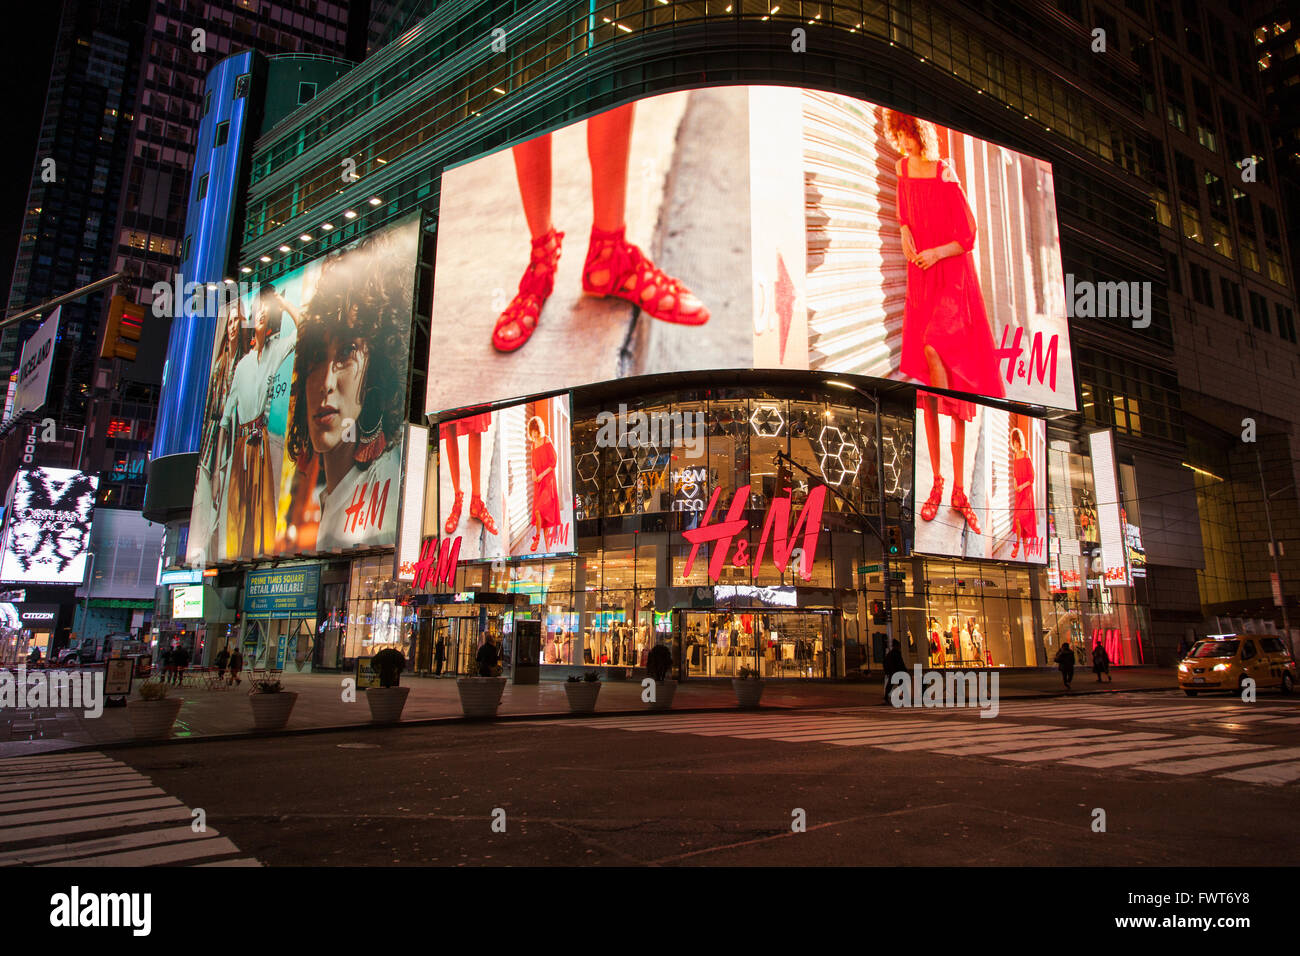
305 419
983 472
749 227
505 480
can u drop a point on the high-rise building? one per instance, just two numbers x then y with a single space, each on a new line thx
1132 129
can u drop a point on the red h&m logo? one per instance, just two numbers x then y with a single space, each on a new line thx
777 520
437 564
361 517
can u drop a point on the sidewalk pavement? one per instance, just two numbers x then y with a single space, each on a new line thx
209 714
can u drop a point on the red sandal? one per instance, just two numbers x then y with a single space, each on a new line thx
479 510
516 324
931 506
616 267
962 504
453 519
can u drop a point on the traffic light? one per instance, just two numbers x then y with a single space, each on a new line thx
895 541
125 321
878 612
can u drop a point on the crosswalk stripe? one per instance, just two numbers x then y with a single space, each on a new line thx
856 726
46 778
1119 742
156 856
42 831
1276 773
17 790
246 861
1286 720
813 735
96 810
1141 757
20 766
81 799
122 841
1024 741
1260 755
970 738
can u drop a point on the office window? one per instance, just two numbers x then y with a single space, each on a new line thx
1259 311
222 134
1285 322
201 192
1202 289
1173 269
1231 298
306 92
207 103
243 83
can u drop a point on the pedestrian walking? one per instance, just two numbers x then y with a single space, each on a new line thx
439 655
893 664
165 663
487 657
221 662
180 660
1065 661
236 665
1101 662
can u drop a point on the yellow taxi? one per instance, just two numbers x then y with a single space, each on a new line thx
1223 662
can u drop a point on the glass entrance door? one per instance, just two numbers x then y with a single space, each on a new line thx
779 644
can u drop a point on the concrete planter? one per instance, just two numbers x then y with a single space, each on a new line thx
664 691
748 692
271 711
480 696
386 703
582 695
153 719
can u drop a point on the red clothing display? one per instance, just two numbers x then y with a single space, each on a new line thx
944 308
546 495
474 424
1025 522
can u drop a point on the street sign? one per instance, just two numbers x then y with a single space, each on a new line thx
868 569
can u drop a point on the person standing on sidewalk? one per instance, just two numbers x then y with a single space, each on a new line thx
487 657
1101 662
893 664
236 665
180 660
221 661
439 655
1065 661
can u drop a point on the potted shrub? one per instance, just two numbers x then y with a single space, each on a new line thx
387 700
271 704
480 696
659 663
582 692
748 687
154 713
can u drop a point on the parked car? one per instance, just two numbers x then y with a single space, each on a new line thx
1225 661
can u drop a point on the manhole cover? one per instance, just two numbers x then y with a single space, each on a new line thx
359 746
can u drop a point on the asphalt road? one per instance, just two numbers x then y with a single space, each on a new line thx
1210 781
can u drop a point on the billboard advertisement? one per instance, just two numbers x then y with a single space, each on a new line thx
306 414
48 535
1110 527
187 602
34 366
506 481
679 233
986 471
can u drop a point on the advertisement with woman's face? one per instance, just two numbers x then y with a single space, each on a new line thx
506 481
749 227
984 472
304 432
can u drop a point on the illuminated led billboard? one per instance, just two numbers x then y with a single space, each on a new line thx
306 414
48 535
749 227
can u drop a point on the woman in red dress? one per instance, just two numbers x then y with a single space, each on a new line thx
947 342
474 426
546 495
1024 524
614 266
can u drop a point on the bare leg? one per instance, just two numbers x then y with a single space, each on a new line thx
958 452
931 415
451 448
609 140
533 170
475 462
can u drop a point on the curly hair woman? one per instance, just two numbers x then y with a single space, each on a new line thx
947 341
347 404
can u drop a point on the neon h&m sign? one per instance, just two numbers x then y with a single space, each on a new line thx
776 529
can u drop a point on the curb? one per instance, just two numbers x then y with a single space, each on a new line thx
515 718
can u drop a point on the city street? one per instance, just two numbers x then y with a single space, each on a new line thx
1181 782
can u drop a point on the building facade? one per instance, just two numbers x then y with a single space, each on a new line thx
1148 192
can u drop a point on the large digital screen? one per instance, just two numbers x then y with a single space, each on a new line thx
506 481
187 602
306 413
48 535
749 227
983 471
